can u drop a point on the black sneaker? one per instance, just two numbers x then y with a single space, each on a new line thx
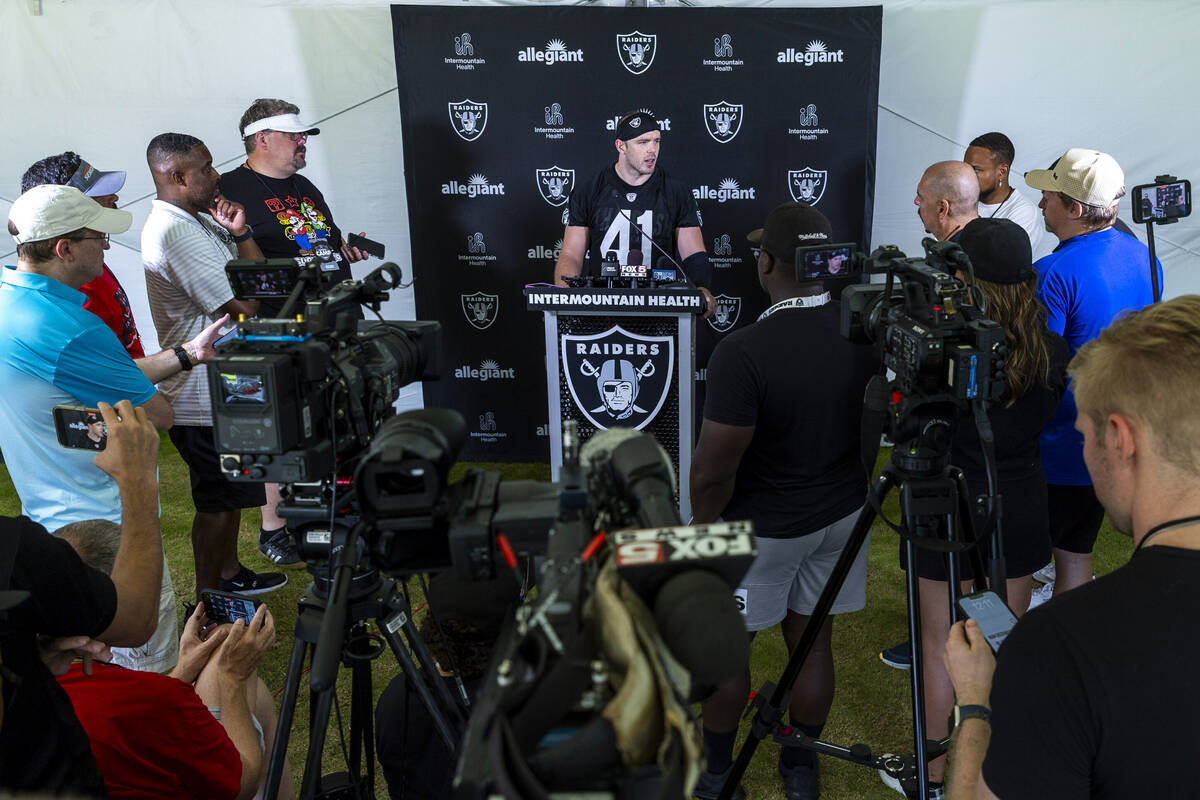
280 548
800 782
711 783
247 582
898 656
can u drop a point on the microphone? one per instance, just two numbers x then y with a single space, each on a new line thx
658 247
647 478
699 620
634 259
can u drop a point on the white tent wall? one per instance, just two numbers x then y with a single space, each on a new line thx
102 77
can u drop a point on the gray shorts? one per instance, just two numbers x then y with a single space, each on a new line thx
789 574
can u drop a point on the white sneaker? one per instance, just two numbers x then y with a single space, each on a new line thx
1045 574
1041 595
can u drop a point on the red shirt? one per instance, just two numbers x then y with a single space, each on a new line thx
108 301
152 736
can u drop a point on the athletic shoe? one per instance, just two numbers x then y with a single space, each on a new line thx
898 656
1041 595
711 783
280 548
800 782
247 582
908 787
1045 574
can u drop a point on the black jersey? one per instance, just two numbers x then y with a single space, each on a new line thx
655 209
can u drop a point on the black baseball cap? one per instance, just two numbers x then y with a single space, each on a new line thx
998 248
789 226
635 124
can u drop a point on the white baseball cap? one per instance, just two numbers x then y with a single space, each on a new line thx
284 123
1089 176
47 211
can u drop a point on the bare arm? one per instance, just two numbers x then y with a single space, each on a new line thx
714 467
237 666
570 260
159 411
970 663
131 458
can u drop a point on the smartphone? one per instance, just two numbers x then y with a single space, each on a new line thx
227 606
363 243
1154 202
994 617
822 262
225 337
80 428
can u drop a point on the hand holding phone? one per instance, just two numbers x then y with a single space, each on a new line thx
995 619
222 607
80 428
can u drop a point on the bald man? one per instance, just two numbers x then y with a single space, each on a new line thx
947 199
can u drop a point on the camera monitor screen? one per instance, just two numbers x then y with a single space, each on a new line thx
250 282
823 262
1163 201
239 388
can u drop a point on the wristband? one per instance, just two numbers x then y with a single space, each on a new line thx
962 713
184 362
249 234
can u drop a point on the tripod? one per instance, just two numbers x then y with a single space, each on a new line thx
935 510
333 623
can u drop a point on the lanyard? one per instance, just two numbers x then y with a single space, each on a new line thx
813 301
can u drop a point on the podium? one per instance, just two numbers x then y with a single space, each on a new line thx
622 358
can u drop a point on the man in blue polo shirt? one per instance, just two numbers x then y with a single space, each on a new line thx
1094 275
53 352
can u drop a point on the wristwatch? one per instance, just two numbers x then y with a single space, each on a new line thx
961 713
184 362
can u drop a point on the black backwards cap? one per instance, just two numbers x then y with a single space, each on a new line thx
998 248
634 124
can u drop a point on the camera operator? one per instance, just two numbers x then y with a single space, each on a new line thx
469 618
947 199
1113 660
70 610
780 446
1036 376
191 233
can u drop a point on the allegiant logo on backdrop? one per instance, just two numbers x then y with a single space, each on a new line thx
664 123
815 52
489 370
728 189
476 186
556 52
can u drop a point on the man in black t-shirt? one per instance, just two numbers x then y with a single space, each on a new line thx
780 446
1093 694
288 216
71 610
629 203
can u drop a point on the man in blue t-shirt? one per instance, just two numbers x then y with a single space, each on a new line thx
1094 275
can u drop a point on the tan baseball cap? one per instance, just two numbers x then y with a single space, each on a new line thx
1089 176
47 211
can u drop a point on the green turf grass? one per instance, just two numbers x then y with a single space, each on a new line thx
872 700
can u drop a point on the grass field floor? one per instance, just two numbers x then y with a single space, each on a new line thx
872 700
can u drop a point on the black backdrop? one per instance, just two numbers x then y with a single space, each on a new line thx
504 110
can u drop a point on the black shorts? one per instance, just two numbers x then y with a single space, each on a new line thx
211 490
1075 517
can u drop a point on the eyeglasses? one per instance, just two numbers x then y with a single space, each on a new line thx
295 137
756 252
102 237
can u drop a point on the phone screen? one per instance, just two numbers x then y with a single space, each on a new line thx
994 617
80 428
226 606
1162 201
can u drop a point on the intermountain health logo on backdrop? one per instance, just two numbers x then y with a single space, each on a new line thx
476 186
727 313
556 52
555 127
636 50
618 378
722 252
464 53
476 254
810 128
481 309
489 370
722 52
468 118
555 184
815 52
727 189
807 185
723 120
489 431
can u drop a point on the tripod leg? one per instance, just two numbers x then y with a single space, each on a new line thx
402 620
362 727
419 680
771 712
322 703
975 554
918 671
286 711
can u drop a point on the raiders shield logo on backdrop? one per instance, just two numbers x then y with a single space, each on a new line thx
727 313
806 185
723 120
468 118
618 379
555 184
637 50
481 309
